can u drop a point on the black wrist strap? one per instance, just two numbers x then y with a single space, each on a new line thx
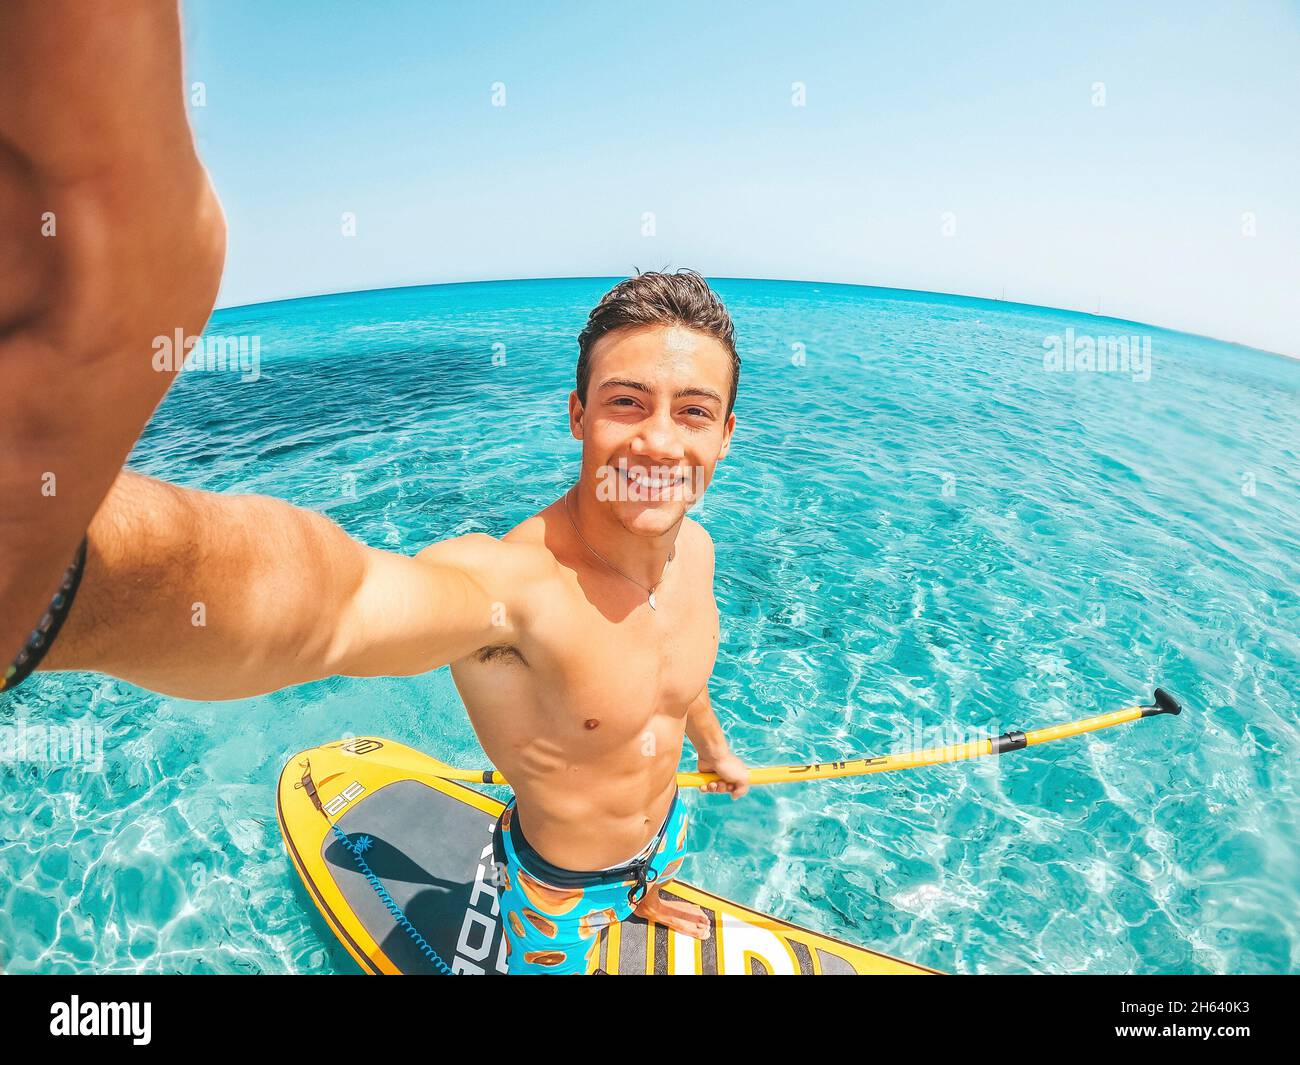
38 643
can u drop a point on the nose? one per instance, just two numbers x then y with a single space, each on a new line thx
659 438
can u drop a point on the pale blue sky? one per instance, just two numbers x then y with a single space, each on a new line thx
684 109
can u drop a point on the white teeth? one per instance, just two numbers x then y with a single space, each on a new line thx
641 478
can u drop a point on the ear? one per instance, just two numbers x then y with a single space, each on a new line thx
727 430
576 413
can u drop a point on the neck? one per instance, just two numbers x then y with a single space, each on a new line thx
643 558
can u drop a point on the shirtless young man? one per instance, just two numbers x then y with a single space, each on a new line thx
581 642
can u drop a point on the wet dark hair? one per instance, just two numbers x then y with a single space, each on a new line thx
653 298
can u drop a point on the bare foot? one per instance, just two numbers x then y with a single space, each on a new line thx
684 917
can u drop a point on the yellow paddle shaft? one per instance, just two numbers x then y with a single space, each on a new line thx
860 767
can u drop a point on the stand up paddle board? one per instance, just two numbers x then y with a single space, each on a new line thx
431 851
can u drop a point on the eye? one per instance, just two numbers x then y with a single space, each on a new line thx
622 399
698 412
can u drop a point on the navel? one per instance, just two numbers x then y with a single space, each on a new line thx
591 723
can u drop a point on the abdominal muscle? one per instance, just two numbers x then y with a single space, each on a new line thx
586 821
586 798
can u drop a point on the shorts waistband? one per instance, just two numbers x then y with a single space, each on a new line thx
539 867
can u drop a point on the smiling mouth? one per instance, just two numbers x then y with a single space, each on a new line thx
655 482
653 485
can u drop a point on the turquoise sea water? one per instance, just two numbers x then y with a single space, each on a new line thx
921 534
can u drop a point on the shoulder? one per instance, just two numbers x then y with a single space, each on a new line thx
696 536
515 574
484 555
519 576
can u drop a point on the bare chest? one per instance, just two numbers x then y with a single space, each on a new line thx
647 661
601 676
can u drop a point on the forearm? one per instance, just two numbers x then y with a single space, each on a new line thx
208 597
704 730
110 235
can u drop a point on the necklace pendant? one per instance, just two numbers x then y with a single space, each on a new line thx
653 604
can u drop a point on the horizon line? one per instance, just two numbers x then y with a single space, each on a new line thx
778 280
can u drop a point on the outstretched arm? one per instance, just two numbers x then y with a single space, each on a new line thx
209 596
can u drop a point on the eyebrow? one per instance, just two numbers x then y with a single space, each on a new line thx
639 386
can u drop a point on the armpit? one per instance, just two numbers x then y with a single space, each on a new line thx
503 652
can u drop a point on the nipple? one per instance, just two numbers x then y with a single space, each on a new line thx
591 723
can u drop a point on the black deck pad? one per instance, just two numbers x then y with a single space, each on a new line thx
433 854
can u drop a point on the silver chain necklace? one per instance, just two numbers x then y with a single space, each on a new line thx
650 591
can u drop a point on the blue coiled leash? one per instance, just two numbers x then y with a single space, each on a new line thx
359 848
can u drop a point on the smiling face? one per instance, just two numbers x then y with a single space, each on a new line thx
655 422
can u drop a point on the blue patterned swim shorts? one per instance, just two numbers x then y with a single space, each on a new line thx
553 916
